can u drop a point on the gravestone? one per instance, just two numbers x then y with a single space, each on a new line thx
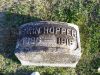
48 43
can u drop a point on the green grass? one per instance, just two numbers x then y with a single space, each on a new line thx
84 13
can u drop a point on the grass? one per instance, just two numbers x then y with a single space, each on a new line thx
84 13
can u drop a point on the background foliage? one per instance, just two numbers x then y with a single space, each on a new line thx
84 13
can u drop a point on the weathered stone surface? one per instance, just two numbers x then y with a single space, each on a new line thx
47 43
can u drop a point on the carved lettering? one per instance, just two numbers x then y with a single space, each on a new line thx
58 40
63 41
63 31
45 30
74 33
38 30
58 30
67 41
69 32
51 30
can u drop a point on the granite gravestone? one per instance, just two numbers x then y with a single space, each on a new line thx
48 43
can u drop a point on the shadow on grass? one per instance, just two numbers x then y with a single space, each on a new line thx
9 30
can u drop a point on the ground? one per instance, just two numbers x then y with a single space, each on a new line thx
84 13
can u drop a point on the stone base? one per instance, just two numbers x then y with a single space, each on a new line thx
48 59
49 64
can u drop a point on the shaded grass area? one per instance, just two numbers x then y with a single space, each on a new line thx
84 13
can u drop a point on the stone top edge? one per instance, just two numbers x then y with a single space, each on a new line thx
50 22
